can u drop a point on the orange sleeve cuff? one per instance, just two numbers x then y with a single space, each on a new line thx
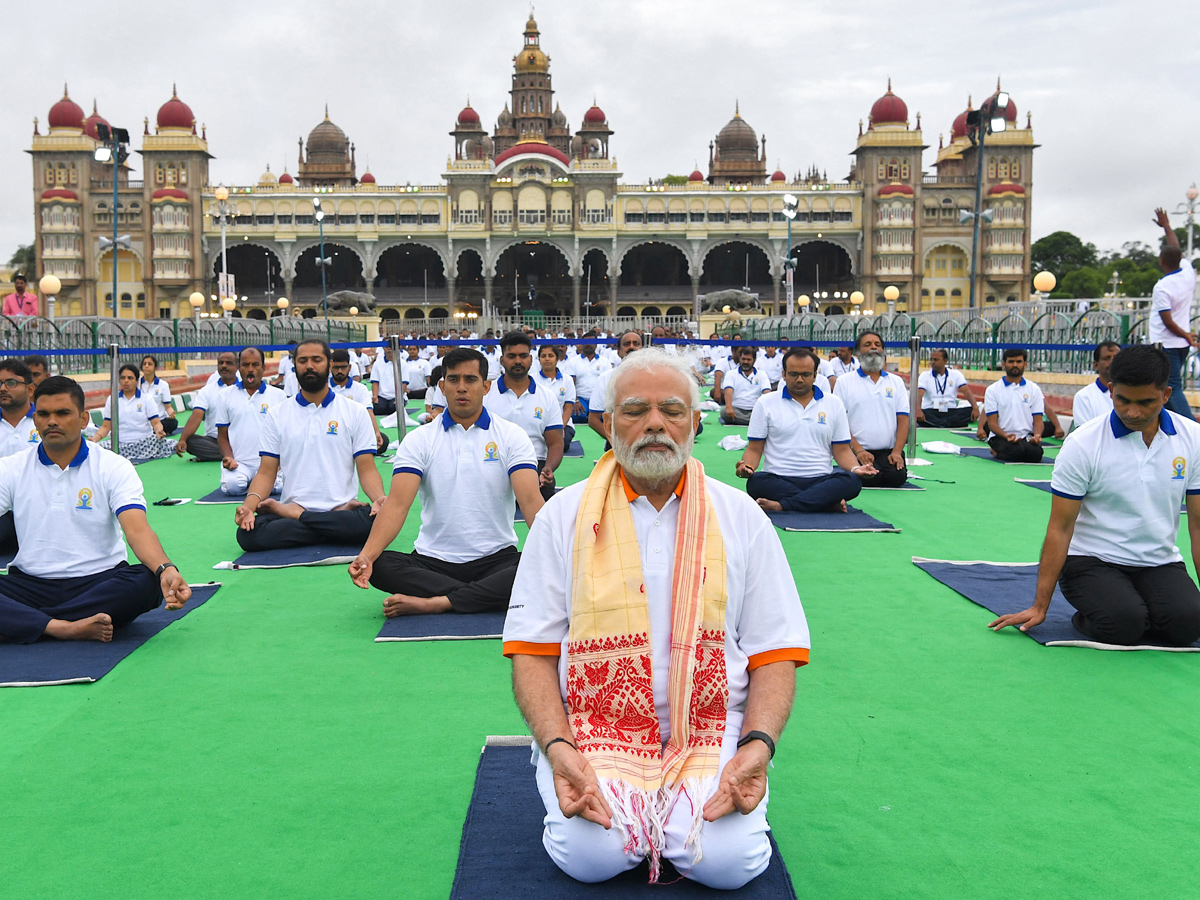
798 655
524 648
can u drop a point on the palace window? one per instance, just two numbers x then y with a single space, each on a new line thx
1002 169
716 217
350 219
843 215
465 216
1016 170
304 220
366 219
677 218
243 220
696 217
408 219
501 216
656 218
561 217
283 220
632 218
531 217
431 218
893 168
264 220
820 216
991 168
904 170
387 219
598 216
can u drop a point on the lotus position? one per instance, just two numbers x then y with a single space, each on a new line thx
204 446
240 417
743 387
75 505
1014 406
876 404
939 391
139 423
655 631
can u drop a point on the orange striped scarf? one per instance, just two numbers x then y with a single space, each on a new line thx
610 696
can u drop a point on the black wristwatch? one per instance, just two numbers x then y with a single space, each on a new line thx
167 565
758 736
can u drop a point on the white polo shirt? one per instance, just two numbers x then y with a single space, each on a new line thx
559 386
206 401
466 493
872 407
22 436
415 373
492 354
1091 401
316 445
244 414
434 397
353 390
747 389
535 412
382 375
1173 293
66 519
1131 493
159 390
941 391
1014 405
799 439
764 620
586 373
837 368
137 412
772 366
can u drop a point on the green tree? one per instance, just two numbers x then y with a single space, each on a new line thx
24 260
675 179
1084 282
1061 253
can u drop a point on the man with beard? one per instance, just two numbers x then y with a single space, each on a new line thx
205 447
469 468
1096 398
655 584
17 430
241 412
515 396
938 392
341 379
598 413
743 388
327 448
876 404
1114 519
1014 406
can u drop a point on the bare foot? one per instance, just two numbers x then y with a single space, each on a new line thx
350 504
277 508
840 506
404 605
770 505
94 628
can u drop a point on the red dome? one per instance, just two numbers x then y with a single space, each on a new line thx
696 176
1010 111
169 194
175 113
468 116
66 113
367 178
1005 189
959 128
595 115
778 176
285 178
530 147
60 194
89 127
889 109
888 189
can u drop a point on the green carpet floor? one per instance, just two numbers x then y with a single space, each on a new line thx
265 746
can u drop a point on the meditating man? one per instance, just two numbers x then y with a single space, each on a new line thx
598 414
326 448
341 379
656 605
469 468
1014 406
794 432
416 373
515 396
1118 484
140 429
742 388
383 385
939 390
204 446
1095 398
1171 310
876 404
74 506
241 412
18 432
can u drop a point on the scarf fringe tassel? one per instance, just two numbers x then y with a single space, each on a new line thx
642 814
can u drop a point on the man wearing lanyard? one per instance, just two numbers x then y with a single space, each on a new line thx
938 393
20 303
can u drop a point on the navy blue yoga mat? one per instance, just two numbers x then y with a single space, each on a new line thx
501 854
575 450
907 486
443 627
854 520
315 555
49 661
1045 486
1005 588
986 453
220 497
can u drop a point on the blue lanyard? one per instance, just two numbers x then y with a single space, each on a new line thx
940 386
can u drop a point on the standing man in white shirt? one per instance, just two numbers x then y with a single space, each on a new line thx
1171 311
240 416
1118 485
468 468
1014 406
18 432
75 505
742 388
204 446
794 432
343 383
939 389
876 404
1095 399
515 396
326 448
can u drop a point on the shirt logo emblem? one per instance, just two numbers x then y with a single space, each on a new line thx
1025 397
263 409
537 412
821 418
1179 467
33 436
889 393
333 425
85 499
489 452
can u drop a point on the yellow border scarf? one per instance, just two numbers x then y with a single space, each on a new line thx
610 695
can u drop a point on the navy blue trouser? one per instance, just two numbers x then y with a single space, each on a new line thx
815 494
1177 357
339 526
8 533
28 603
1130 604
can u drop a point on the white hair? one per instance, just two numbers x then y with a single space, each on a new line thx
649 359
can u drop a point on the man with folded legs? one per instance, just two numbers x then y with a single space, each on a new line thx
1014 406
876 404
515 396
469 468
939 390
743 386
1118 484
240 416
75 505
204 446
326 448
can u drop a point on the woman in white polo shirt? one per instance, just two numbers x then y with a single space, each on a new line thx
139 424
1118 483
560 385
157 388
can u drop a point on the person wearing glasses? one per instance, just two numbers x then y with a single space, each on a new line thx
17 430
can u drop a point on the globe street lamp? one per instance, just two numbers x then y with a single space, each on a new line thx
50 286
114 142
282 304
1043 283
221 211
1190 207
891 294
196 299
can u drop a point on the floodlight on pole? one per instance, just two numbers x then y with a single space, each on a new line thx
989 118
790 204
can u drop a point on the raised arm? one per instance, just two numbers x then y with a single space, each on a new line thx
1163 221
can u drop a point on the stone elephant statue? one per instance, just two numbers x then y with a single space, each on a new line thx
735 300
343 300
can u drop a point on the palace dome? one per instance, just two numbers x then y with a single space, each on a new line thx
595 115
737 139
889 109
175 114
367 178
89 127
66 113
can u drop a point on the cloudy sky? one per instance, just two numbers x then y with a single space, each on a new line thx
1113 86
